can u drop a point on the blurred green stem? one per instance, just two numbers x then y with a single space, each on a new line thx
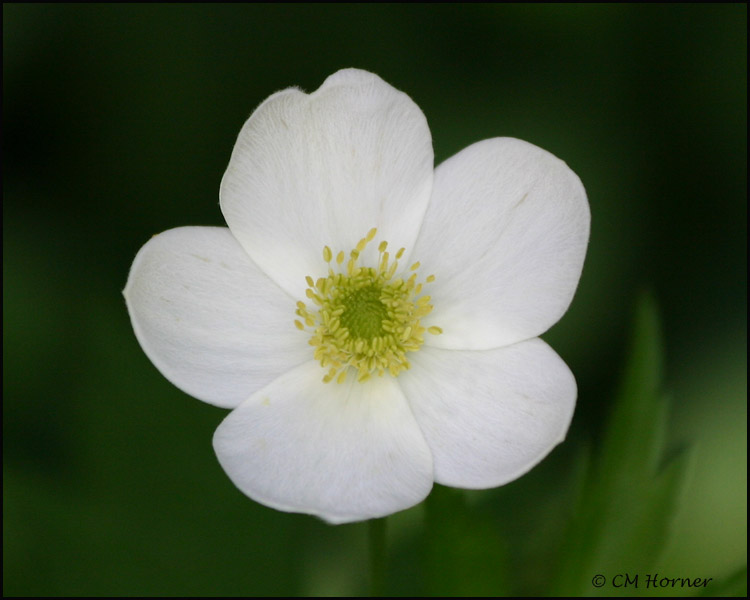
376 542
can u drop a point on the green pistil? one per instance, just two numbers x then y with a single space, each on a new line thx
364 313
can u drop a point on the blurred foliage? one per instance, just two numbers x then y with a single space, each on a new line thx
625 511
118 121
733 586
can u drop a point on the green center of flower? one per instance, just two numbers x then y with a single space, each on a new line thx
366 318
364 312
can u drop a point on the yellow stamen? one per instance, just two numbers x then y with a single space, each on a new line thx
364 318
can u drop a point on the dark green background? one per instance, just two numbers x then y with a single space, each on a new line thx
118 122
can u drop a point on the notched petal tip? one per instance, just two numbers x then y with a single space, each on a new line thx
317 169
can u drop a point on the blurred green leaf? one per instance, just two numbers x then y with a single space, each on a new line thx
734 586
628 499
464 554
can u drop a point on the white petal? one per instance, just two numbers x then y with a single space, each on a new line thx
505 235
489 415
208 318
344 452
325 168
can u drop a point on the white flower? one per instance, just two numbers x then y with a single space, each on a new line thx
444 378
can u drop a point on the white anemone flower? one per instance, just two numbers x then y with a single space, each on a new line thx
371 321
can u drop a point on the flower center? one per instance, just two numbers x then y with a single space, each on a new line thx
364 312
365 319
